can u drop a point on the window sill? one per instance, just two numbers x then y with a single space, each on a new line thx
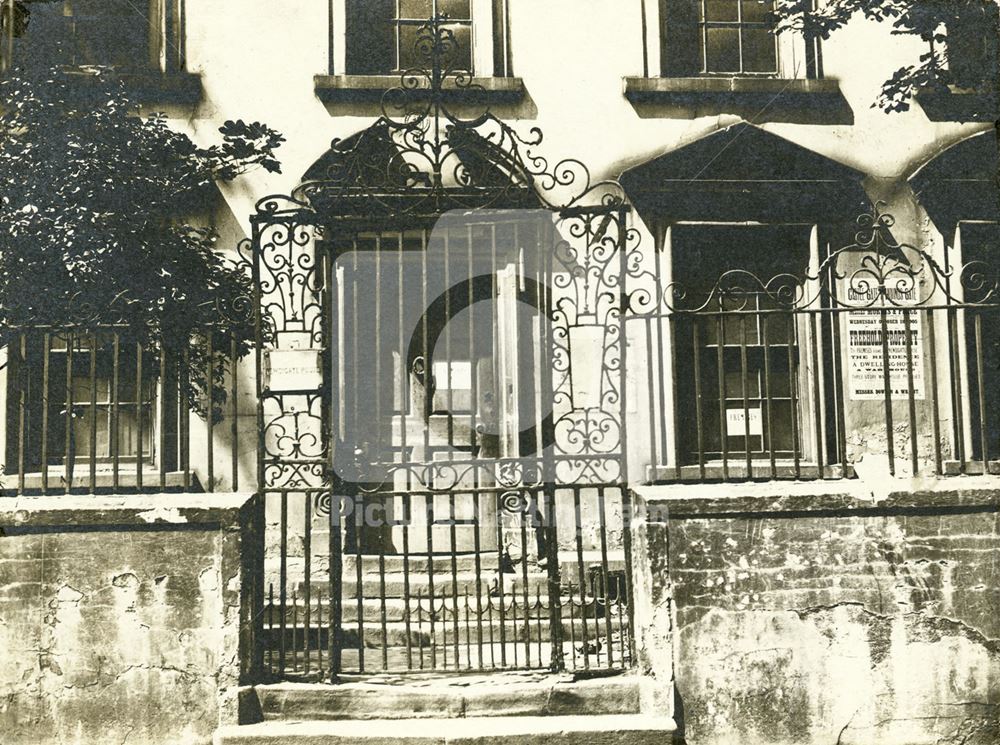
784 470
959 105
357 88
767 99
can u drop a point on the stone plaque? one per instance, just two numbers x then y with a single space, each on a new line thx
293 370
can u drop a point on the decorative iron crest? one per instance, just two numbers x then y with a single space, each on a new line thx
873 271
422 157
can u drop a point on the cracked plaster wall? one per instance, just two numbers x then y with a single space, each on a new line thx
833 629
118 635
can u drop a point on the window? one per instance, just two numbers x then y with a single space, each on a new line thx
718 37
381 36
972 50
739 356
127 35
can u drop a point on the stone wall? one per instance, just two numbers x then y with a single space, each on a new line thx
121 617
807 613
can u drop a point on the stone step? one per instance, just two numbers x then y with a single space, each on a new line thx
608 729
395 633
496 694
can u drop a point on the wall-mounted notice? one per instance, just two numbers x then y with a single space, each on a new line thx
865 354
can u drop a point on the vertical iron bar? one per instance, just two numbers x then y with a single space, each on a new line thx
768 399
981 391
911 400
307 569
468 632
234 415
745 383
793 393
115 434
524 577
162 455
283 579
935 413
92 421
46 343
699 422
138 416
68 446
887 391
382 609
572 626
359 509
817 397
183 413
23 380
602 516
210 413
721 372
581 572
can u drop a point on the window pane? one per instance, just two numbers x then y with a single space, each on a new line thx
416 9
758 50
756 11
722 53
721 10
455 9
457 57
371 37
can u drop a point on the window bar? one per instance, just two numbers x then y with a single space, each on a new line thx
956 383
840 408
22 408
651 369
307 573
444 626
233 414
699 425
538 608
382 609
283 579
721 372
183 414
210 413
162 455
605 578
745 383
138 416
46 343
359 508
581 572
980 383
817 397
403 453
887 391
768 399
115 420
92 423
935 413
911 394
68 446
793 392
514 620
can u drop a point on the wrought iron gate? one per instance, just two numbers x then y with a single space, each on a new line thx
441 366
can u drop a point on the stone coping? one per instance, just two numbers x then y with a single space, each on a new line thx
142 511
794 499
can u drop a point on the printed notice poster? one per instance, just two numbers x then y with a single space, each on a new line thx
864 353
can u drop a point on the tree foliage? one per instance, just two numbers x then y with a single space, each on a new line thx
963 40
93 199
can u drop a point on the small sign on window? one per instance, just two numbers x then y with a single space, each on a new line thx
736 423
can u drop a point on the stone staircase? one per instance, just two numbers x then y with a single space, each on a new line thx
509 708
389 625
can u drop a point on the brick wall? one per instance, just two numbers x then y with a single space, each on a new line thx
803 616
121 618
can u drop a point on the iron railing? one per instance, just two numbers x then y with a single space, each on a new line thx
92 410
881 354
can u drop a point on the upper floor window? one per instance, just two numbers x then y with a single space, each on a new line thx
127 35
718 37
382 37
972 47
